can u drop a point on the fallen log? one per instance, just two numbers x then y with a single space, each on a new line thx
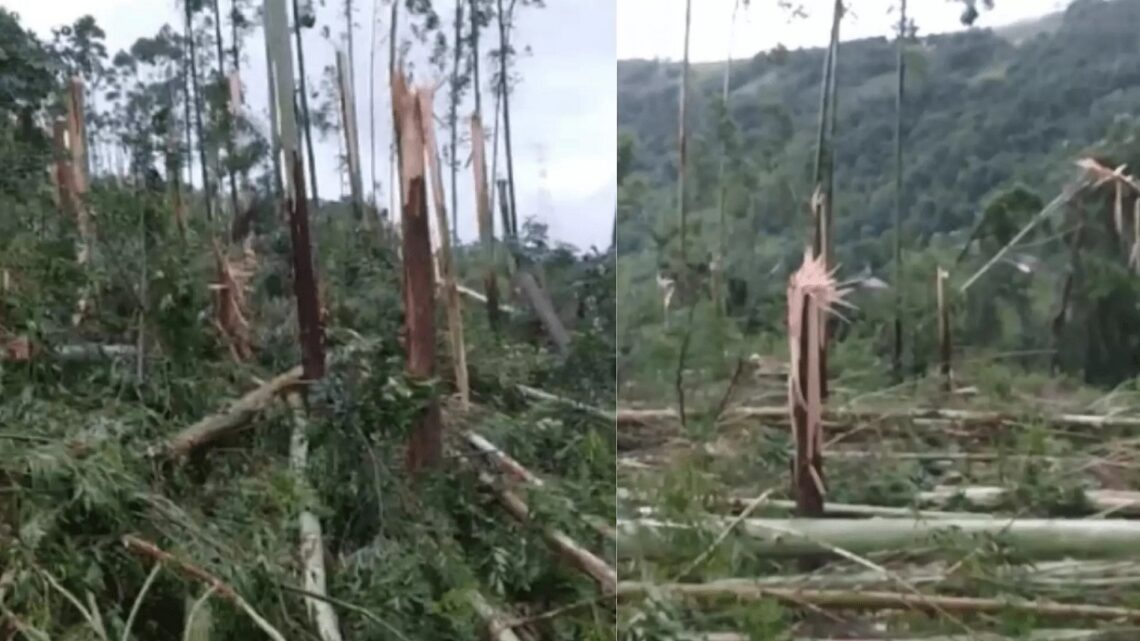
1034 635
1036 538
541 395
779 414
581 558
743 589
497 626
237 415
736 504
513 468
476 296
1069 576
312 549
1114 501
151 551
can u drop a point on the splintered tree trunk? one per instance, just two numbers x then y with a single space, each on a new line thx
426 444
486 223
296 203
348 117
446 260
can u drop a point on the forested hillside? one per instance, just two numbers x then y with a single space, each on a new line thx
993 122
234 408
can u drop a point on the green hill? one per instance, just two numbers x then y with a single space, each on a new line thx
982 113
993 122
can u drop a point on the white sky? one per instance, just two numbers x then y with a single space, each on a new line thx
656 28
563 121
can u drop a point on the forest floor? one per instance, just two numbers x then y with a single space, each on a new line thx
1000 511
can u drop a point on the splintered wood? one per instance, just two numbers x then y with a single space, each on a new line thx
230 298
812 293
426 443
446 262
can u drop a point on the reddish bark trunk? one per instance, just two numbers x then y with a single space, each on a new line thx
305 280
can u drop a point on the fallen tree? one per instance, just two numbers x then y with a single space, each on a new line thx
743 589
1036 538
846 416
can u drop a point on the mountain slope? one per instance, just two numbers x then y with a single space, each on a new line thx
982 114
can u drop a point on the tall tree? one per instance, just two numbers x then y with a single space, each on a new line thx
225 120
721 184
454 117
196 85
683 142
897 346
504 89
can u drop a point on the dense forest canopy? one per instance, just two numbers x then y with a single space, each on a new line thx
992 125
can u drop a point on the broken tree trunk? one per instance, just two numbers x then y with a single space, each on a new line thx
323 615
810 291
305 279
578 556
868 600
513 468
1115 501
425 446
1036 538
237 415
543 308
446 259
485 220
498 628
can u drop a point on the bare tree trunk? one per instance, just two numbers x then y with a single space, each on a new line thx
446 260
372 105
305 279
504 48
454 161
206 191
397 182
897 346
718 274
348 118
225 114
683 144
486 222
426 444
305 113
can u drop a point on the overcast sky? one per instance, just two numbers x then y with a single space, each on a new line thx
656 28
563 121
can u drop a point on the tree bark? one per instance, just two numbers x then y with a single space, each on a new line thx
446 260
1035 538
426 444
305 279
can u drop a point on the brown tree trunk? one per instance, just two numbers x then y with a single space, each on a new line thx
426 443
305 279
